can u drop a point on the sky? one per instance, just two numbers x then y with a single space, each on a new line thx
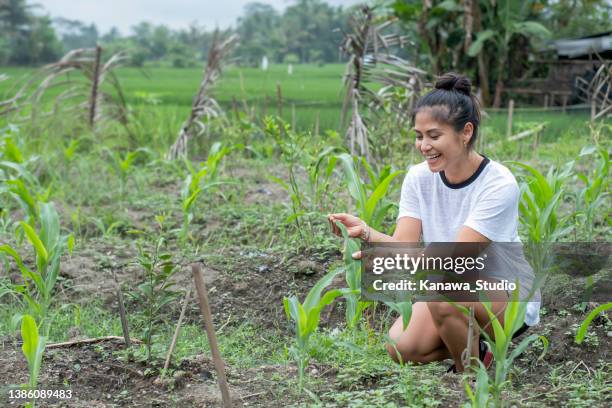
174 13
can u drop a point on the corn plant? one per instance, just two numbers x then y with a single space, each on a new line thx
199 180
122 166
514 316
318 163
17 179
372 206
594 194
49 244
306 317
291 147
540 198
156 289
33 349
352 271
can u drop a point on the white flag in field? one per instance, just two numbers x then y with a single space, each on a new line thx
264 63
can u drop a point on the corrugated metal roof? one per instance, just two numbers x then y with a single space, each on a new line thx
583 46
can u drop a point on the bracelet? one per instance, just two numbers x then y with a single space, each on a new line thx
365 232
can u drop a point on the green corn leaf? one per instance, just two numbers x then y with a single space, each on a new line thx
42 257
353 181
314 295
33 347
522 346
29 334
582 330
49 226
188 203
498 330
514 314
378 195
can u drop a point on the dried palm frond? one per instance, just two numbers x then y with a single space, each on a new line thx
367 63
598 90
86 94
204 105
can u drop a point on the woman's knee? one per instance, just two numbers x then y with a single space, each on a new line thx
441 311
403 352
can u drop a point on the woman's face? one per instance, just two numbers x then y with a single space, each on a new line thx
439 143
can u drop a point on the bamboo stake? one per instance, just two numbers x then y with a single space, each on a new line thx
510 113
293 117
466 356
196 270
124 324
177 331
593 110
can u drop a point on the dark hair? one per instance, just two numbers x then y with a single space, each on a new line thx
452 102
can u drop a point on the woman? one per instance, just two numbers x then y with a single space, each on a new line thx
455 195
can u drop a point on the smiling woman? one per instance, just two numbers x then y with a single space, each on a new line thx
455 195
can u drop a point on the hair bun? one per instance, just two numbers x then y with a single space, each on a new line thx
454 82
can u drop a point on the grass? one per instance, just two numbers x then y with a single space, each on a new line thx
316 91
241 232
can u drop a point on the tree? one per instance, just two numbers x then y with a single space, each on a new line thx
260 33
505 20
75 34
27 39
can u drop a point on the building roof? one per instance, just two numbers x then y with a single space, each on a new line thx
582 47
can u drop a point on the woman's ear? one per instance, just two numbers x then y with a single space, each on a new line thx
468 131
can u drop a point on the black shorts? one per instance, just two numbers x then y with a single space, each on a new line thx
520 331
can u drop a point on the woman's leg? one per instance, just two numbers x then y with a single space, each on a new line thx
420 342
452 325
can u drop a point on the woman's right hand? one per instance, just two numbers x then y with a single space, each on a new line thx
354 225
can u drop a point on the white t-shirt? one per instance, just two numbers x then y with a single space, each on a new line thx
487 202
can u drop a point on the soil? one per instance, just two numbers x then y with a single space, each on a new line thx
98 379
251 287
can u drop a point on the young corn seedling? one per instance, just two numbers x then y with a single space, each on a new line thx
592 197
306 317
291 148
33 349
514 316
198 181
48 245
307 198
540 197
157 289
352 271
372 206
123 166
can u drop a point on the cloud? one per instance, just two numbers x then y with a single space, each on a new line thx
124 14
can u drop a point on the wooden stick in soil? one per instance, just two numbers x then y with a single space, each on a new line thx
177 331
198 278
124 324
